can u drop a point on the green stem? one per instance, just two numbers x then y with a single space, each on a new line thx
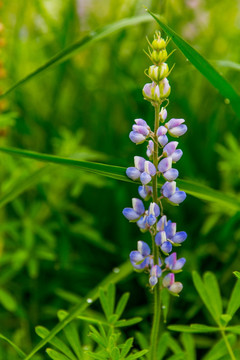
228 345
157 298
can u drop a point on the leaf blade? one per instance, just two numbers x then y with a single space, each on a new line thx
69 51
119 173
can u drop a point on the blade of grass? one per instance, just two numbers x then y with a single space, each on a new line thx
124 270
18 350
81 44
119 173
203 66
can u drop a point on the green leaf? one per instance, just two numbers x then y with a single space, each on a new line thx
15 347
71 334
225 318
119 173
234 329
126 347
97 337
81 44
137 355
179 356
59 344
124 270
188 343
104 303
201 289
234 302
127 322
212 288
237 274
22 185
55 355
7 300
193 328
111 292
203 66
162 345
122 304
219 349
115 354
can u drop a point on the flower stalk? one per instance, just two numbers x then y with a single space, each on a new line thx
163 233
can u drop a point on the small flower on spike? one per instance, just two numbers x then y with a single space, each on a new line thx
173 287
173 264
155 273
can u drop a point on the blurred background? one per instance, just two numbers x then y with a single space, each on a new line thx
63 235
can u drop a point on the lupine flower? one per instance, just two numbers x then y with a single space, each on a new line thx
164 88
151 92
163 114
172 193
170 148
134 213
155 273
144 170
167 236
140 259
162 137
153 213
172 286
165 167
150 148
140 131
173 264
145 191
176 127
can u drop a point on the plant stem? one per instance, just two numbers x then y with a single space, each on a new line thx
157 298
228 345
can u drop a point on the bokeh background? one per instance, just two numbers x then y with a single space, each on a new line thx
63 235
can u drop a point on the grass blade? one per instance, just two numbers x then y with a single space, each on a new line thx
18 350
119 173
203 66
71 50
125 270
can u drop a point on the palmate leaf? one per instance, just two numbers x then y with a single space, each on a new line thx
79 45
119 173
188 343
234 302
203 66
124 270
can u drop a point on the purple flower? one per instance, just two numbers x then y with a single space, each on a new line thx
136 137
151 92
150 148
172 193
176 127
163 114
169 149
155 273
169 283
145 191
153 213
174 264
133 214
140 259
167 235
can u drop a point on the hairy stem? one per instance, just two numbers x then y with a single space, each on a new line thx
157 298
232 356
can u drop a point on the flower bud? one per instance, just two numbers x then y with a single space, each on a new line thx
159 56
130 214
151 92
145 178
176 288
157 73
159 44
139 162
163 114
164 88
